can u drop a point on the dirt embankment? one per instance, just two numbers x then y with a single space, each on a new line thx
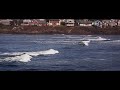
59 30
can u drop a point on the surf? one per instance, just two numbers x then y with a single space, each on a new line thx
98 38
26 56
84 42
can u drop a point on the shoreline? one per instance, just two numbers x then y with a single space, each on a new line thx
49 30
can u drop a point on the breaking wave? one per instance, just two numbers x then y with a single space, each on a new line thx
115 41
86 43
26 56
21 58
95 38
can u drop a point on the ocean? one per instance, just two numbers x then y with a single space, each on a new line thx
59 52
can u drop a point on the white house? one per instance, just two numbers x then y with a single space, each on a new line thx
70 22
85 23
6 21
26 22
97 23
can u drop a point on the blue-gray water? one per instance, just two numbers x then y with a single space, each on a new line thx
98 56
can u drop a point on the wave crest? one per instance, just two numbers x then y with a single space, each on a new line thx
27 56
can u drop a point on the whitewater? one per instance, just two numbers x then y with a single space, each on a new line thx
59 52
27 56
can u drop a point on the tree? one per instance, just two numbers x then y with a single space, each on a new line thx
62 23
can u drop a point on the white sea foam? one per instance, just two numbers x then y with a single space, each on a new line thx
102 39
21 58
86 43
27 56
12 53
115 41
95 38
47 52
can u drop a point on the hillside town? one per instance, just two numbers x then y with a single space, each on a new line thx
62 22
60 26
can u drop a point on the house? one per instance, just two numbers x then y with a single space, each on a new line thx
17 22
53 22
85 23
42 22
113 23
70 22
34 22
77 22
105 23
97 23
6 21
118 22
26 22
110 23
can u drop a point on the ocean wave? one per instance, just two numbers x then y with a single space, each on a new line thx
86 43
21 58
113 42
98 38
26 56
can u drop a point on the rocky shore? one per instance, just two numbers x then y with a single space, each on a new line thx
59 30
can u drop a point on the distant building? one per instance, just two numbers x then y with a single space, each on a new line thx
105 23
16 22
118 22
38 22
70 22
26 22
33 22
85 23
97 23
76 22
53 22
110 23
6 21
42 22
113 23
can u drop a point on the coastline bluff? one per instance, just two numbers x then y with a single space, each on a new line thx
76 30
